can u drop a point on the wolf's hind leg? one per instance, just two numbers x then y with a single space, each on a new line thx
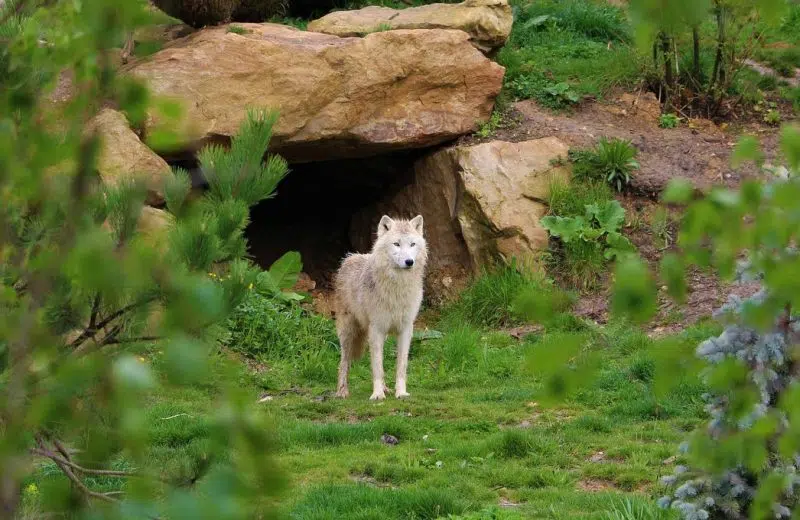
351 340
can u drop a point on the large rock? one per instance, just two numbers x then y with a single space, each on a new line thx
481 203
122 154
338 97
488 22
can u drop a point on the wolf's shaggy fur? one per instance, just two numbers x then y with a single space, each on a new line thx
377 294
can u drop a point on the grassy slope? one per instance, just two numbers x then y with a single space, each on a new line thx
475 433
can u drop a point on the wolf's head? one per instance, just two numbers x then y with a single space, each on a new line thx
402 243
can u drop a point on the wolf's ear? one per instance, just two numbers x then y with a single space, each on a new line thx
385 225
416 223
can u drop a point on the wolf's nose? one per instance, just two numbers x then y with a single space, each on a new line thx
409 262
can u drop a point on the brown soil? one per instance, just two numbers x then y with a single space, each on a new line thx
698 150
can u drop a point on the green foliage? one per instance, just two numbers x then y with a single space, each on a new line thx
491 513
668 121
699 49
177 188
488 302
773 117
237 29
562 94
282 276
91 283
239 172
748 364
560 52
571 199
579 262
634 290
611 160
267 329
600 226
488 128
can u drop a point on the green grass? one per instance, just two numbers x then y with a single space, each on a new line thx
237 29
784 58
582 45
476 432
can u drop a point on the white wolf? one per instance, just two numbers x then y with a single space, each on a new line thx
377 294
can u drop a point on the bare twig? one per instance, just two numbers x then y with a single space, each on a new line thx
81 486
43 452
174 416
127 49
91 333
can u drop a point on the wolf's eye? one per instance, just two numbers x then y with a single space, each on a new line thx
413 244
397 244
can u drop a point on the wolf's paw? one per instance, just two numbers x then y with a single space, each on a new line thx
377 396
402 395
343 393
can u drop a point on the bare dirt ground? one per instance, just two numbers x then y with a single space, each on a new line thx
697 150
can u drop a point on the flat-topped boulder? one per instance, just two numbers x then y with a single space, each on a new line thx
338 97
488 22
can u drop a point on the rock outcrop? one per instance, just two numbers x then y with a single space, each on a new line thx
338 97
481 203
122 154
488 22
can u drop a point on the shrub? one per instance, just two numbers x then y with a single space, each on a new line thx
600 226
616 160
739 466
668 121
263 327
579 262
611 160
562 94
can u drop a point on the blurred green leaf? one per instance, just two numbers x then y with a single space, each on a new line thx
634 293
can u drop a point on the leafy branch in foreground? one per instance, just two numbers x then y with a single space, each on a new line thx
745 464
90 278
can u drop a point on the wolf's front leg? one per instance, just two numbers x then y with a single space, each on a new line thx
376 340
403 346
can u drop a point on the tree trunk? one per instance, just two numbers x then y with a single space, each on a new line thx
718 74
669 77
696 53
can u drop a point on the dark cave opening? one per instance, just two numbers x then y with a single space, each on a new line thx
314 205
